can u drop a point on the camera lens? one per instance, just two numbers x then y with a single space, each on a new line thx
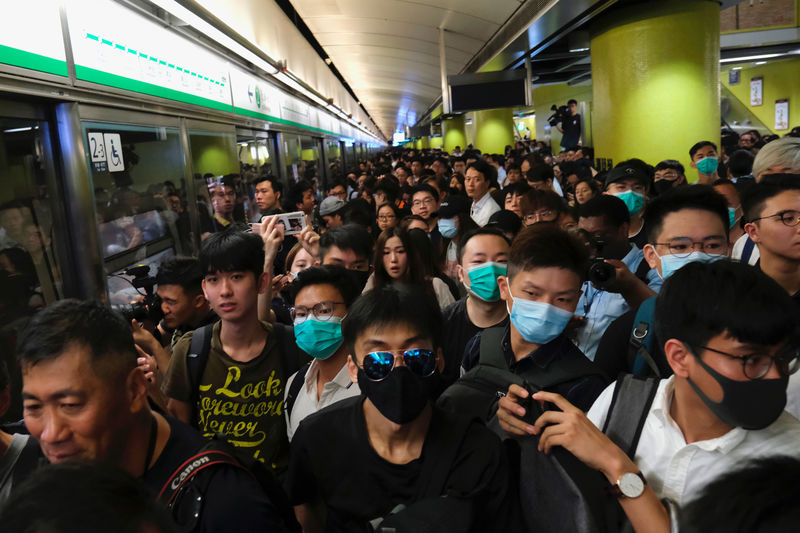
601 272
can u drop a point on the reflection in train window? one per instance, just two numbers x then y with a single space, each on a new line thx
218 184
140 194
256 161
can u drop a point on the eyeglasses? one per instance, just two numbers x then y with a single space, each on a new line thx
546 215
789 217
757 365
426 201
669 176
377 365
386 217
683 246
321 311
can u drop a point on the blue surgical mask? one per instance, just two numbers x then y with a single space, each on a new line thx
671 263
538 322
319 338
447 227
732 217
634 201
707 165
483 280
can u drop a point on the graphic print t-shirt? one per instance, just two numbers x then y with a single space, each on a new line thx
242 401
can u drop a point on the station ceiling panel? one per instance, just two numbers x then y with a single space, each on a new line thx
388 50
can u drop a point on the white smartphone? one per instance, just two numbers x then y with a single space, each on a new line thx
293 223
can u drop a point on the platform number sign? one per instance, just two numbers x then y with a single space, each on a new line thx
105 152
97 152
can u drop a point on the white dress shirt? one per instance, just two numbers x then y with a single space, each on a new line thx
680 471
482 210
306 402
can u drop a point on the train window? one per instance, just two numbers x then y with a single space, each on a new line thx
334 156
255 160
29 273
218 182
140 197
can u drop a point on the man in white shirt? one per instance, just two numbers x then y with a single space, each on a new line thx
728 329
322 296
480 176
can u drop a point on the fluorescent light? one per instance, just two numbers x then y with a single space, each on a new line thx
579 50
17 130
750 58
737 68
761 62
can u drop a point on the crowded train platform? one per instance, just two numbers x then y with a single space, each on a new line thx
562 294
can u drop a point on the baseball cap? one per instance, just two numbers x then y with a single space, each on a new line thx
453 205
506 221
626 172
330 205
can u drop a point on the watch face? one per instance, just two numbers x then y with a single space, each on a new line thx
631 485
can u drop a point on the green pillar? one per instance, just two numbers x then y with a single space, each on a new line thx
424 142
454 133
655 78
494 129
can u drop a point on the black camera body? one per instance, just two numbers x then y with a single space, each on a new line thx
559 115
150 307
600 273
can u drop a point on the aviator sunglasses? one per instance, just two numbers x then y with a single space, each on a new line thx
377 365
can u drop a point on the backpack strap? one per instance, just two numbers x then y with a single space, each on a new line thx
628 411
491 349
747 251
196 360
206 458
294 389
642 339
642 270
284 337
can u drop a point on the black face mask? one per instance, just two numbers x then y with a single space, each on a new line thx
750 404
358 278
402 395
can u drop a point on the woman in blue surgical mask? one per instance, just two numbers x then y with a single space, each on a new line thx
452 229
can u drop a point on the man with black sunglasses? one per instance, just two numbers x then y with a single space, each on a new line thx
358 461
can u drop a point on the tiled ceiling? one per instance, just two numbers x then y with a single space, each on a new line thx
388 50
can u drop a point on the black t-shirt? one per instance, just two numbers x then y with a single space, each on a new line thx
572 130
640 239
233 500
458 330
333 461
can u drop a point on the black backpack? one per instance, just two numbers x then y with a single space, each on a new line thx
476 393
560 493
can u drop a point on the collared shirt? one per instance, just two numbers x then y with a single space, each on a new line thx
501 177
482 210
677 470
581 391
307 403
600 308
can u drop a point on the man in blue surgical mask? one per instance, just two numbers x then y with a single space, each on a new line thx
630 184
706 161
482 257
546 268
322 297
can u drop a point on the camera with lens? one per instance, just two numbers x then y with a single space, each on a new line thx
560 113
150 307
600 273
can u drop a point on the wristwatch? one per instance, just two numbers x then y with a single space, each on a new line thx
629 485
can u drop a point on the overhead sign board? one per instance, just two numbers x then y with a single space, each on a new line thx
115 46
31 37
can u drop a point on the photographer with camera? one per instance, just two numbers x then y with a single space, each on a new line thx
570 124
615 273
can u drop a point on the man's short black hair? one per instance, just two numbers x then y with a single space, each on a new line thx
760 496
388 186
536 199
703 300
756 195
543 246
613 210
488 171
277 186
232 250
391 305
671 164
572 101
348 237
91 498
702 144
702 197
740 163
66 323
540 172
520 188
183 271
297 191
486 230
423 187
333 275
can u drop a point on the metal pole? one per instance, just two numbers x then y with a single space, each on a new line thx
443 68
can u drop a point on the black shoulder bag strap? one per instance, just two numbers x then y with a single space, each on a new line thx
628 411
196 360
207 457
491 348
294 388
